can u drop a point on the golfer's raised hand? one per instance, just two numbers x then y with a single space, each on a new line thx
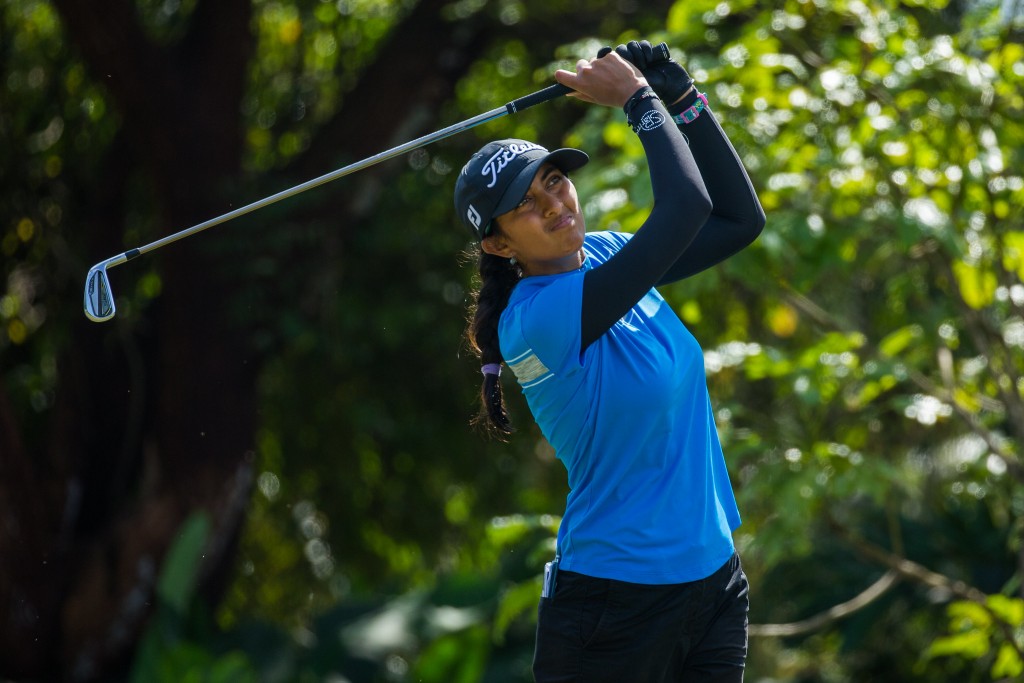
608 80
668 78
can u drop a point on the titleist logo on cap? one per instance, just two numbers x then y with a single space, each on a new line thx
497 163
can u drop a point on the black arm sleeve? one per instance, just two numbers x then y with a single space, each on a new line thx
737 218
681 206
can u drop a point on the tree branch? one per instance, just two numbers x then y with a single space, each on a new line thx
899 568
916 572
403 84
416 69
840 611
912 570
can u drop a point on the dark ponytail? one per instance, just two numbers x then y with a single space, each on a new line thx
498 276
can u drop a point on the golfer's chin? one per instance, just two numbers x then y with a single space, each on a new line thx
576 233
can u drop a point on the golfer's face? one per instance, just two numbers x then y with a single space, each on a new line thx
545 231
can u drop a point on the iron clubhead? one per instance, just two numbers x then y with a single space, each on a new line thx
99 302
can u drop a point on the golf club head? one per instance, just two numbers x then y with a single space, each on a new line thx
99 302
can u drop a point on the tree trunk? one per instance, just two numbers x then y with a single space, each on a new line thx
151 423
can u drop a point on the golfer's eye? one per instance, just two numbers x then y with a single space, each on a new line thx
526 200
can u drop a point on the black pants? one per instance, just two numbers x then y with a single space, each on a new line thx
596 630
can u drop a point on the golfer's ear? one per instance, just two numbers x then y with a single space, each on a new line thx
496 246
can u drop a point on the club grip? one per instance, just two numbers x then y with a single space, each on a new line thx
549 93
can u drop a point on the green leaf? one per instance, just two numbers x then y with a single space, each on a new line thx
1010 610
456 658
1008 663
894 343
1013 256
177 580
977 286
966 615
970 645
516 601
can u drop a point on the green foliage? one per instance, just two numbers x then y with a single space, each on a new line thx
54 123
178 578
169 652
463 626
308 56
989 632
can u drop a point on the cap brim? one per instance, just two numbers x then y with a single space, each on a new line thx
566 159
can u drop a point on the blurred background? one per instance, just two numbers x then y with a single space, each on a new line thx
262 469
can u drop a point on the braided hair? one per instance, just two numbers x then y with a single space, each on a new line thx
498 276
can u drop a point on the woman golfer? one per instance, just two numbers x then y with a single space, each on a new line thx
646 584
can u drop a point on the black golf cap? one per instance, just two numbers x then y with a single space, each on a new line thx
497 177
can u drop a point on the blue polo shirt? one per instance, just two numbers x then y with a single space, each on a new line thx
630 418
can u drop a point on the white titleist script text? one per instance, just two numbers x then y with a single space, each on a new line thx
497 163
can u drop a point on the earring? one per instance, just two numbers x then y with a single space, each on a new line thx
512 261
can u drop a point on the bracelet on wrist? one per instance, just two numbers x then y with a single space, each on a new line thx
636 98
692 113
639 96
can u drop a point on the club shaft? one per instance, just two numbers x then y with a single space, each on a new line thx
518 105
316 182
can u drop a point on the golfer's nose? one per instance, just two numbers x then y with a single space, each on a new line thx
550 203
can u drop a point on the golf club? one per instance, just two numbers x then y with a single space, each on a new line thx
99 301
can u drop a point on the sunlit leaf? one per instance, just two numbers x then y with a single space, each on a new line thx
896 342
977 286
1008 663
1010 610
971 645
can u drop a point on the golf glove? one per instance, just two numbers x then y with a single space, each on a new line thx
667 76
